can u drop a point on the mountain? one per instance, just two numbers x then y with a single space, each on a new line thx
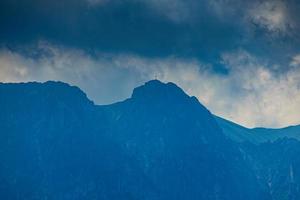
239 133
160 144
53 146
273 154
180 146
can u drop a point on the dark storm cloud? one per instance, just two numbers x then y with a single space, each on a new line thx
120 26
189 28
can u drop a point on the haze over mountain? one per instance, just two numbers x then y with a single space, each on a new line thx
239 133
160 144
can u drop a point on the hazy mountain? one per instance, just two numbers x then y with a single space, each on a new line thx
239 133
159 144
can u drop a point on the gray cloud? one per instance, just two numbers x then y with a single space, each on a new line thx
272 15
97 2
250 94
175 10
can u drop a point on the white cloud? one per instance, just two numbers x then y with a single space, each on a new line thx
263 97
99 77
250 94
295 61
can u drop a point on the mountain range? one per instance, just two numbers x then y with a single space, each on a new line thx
160 144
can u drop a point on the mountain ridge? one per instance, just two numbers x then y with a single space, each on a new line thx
160 144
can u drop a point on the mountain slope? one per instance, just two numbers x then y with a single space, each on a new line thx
277 165
239 133
180 146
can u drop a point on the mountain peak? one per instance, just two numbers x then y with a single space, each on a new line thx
155 89
47 91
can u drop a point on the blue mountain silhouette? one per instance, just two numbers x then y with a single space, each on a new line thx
160 144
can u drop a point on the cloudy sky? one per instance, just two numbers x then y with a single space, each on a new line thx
240 58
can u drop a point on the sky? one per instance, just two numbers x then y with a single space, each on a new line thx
241 59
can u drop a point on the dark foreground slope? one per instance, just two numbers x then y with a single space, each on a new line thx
159 144
277 166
